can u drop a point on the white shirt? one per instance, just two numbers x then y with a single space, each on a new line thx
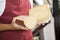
2 6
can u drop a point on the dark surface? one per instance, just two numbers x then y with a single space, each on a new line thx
56 14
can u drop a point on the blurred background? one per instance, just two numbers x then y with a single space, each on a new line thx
52 30
56 14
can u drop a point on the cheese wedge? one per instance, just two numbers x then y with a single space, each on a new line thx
42 12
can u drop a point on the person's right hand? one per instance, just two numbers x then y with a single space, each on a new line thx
16 26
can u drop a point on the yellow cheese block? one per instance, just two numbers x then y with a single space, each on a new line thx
42 12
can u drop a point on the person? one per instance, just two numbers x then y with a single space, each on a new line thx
13 8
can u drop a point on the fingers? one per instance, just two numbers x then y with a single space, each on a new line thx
23 28
16 26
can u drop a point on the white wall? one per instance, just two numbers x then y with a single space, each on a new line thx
49 31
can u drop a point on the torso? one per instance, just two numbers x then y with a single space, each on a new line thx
14 8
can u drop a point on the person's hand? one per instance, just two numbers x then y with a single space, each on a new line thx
18 24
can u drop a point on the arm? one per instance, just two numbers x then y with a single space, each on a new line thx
12 26
6 27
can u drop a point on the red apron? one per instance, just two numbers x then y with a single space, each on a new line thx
15 8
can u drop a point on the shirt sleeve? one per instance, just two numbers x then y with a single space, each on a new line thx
2 6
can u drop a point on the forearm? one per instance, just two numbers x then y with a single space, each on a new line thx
6 27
